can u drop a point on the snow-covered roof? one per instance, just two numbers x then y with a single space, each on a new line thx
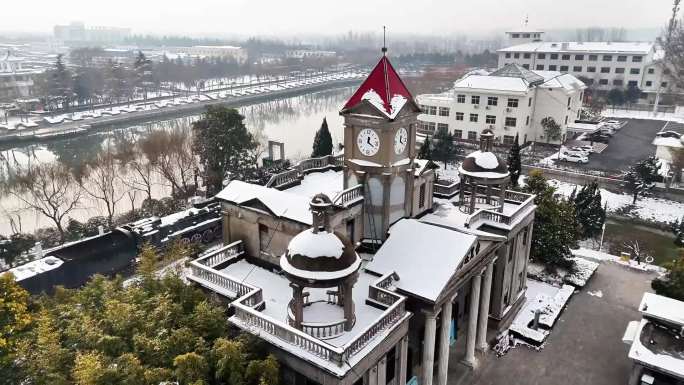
315 245
662 308
579 47
667 142
514 78
383 89
555 79
424 256
36 267
494 83
329 183
654 355
280 203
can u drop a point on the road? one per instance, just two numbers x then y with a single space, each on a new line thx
585 347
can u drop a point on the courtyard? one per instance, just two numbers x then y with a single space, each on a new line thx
585 346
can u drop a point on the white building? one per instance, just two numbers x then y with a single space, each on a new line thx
238 54
307 53
78 32
603 65
509 101
15 81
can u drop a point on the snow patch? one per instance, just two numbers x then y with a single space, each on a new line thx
596 293
315 245
485 159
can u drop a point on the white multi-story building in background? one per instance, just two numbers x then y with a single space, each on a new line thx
77 32
601 65
238 54
509 101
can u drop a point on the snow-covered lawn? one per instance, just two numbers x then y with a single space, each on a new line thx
630 114
599 256
647 208
584 269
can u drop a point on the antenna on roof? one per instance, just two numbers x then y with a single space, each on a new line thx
384 40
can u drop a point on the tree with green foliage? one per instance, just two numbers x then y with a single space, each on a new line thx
142 68
677 228
322 144
444 149
552 130
223 144
555 227
14 246
641 177
514 162
60 83
672 283
425 151
15 319
632 94
616 97
589 210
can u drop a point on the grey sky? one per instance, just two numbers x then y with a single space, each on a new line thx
276 17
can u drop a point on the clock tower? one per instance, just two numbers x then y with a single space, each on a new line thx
380 122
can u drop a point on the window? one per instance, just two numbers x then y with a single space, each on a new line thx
516 55
591 69
515 35
460 98
663 84
651 71
593 57
622 58
554 56
510 122
508 55
458 134
421 196
475 100
579 57
472 135
552 67
605 70
508 139
589 81
492 100
565 57
619 70
511 248
526 55
603 82
540 67
529 102
607 57
473 118
566 120
637 59
264 238
513 103
432 110
490 119
459 116
634 71
527 121
442 126
632 83
526 35
577 69
564 68
541 56
649 83
525 234
526 66
443 111
569 101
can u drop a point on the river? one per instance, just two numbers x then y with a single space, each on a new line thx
293 121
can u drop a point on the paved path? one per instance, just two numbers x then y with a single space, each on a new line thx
585 347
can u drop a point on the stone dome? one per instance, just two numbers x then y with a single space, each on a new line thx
483 163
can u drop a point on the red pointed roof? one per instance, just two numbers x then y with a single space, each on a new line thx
384 89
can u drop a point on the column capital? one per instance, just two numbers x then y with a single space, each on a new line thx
430 314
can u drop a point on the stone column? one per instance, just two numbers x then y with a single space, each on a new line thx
297 305
472 321
373 375
443 366
502 196
484 308
348 302
461 192
403 360
382 371
429 348
473 195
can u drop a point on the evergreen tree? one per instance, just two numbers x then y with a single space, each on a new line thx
425 151
143 73
672 284
590 212
678 231
322 144
514 163
223 144
60 83
555 227
14 320
641 177
616 97
552 130
444 149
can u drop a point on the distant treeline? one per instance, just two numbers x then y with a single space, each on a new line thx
484 59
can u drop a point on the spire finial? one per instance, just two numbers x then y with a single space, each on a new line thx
384 40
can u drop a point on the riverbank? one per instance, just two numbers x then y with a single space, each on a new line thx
163 111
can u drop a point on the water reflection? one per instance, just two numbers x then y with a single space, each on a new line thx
293 121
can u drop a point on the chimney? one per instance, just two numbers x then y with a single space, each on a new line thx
38 249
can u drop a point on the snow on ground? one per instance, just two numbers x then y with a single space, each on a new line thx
646 208
597 293
584 269
631 114
329 183
584 253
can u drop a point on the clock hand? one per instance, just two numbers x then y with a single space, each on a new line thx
368 140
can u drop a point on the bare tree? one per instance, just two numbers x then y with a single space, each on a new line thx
170 154
49 189
137 168
672 41
100 180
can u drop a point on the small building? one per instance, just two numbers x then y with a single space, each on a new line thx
656 342
228 52
509 101
15 80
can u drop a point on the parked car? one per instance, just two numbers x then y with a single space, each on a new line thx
575 158
616 124
588 148
580 150
574 151
598 137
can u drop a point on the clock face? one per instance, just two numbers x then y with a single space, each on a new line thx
368 142
400 141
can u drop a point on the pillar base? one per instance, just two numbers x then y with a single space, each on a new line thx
472 365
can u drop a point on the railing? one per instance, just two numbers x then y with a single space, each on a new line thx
345 197
322 330
222 254
446 190
314 163
489 214
284 178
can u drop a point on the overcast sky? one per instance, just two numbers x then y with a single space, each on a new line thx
290 17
